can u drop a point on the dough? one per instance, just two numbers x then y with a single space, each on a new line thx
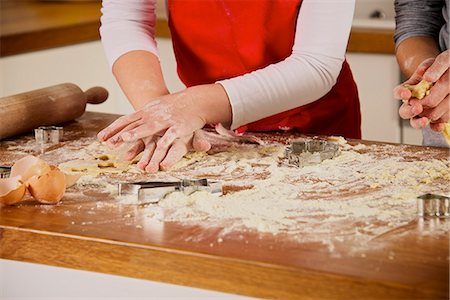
99 159
419 90
446 133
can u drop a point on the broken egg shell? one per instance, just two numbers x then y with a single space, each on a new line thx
48 188
28 167
12 190
71 179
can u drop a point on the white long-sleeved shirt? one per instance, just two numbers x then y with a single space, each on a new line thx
320 41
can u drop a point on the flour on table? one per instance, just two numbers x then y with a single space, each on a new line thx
351 187
336 201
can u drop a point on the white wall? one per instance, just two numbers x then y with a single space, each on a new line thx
376 76
83 64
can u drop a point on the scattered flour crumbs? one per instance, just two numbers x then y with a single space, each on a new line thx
315 200
364 193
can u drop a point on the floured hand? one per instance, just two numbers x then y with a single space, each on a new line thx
168 127
434 108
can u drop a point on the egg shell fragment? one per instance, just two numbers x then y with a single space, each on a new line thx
48 188
71 179
28 167
12 190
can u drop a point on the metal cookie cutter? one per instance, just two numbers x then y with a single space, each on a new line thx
432 205
308 152
5 171
153 191
48 134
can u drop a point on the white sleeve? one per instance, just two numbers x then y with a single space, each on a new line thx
321 36
126 26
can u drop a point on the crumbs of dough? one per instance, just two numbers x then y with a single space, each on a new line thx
420 90
103 157
106 165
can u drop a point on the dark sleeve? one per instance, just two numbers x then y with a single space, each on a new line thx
418 18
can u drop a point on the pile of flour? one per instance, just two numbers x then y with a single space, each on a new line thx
347 193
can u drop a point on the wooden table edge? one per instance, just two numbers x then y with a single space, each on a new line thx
199 270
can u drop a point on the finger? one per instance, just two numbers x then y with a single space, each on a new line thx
162 147
445 118
137 148
146 155
438 92
143 131
419 122
417 76
440 65
116 140
442 108
409 110
438 127
118 125
157 157
176 152
199 141
400 92
423 67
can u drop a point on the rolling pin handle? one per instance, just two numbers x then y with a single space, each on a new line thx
96 95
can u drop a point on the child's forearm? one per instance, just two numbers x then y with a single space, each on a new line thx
140 77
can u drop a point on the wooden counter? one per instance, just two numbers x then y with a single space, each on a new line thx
30 25
120 239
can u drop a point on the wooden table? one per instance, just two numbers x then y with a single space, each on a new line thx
119 240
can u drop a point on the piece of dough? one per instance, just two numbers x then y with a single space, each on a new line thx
420 90
98 159
446 133
101 160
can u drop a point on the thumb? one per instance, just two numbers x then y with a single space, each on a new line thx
199 141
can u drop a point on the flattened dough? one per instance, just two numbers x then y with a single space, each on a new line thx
99 159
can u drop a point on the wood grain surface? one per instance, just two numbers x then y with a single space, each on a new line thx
120 239
29 25
371 41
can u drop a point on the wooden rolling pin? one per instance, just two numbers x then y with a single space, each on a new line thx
52 105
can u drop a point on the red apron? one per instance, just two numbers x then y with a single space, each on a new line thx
219 39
